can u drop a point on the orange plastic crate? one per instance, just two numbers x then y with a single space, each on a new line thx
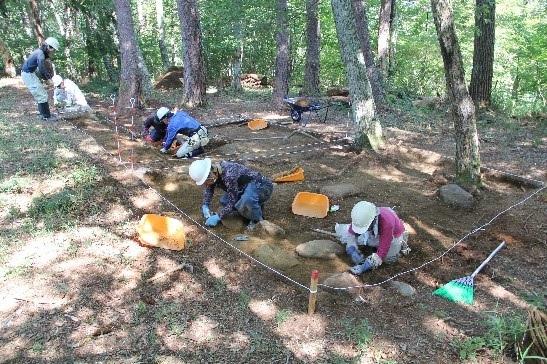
310 204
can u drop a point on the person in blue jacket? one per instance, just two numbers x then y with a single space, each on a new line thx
34 68
188 131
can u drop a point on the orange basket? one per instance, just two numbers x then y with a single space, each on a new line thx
310 204
161 231
295 175
257 124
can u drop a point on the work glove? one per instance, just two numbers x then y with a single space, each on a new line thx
212 220
163 150
205 211
354 254
373 261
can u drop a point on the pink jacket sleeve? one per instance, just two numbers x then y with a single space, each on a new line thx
390 226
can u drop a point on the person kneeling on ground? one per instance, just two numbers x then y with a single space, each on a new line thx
246 190
159 128
188 131
68 97
378 227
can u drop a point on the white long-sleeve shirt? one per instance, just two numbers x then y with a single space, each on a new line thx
71 95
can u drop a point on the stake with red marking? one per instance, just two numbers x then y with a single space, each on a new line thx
313 291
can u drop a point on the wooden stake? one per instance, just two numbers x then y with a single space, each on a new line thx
313 292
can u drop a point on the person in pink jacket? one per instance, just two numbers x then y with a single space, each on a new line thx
373 226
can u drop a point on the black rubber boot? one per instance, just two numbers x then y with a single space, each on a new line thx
44 111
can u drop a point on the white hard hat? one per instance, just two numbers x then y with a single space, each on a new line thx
56 80
362 215
53 43
199 170
162 111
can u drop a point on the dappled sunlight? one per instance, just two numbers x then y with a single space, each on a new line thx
146 200
117 213
304 335
499 292
446 241
65 153
440 326
392 174
202 330
171 186
238 340
264 309
40 251
214 269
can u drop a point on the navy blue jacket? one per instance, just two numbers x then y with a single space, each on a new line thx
37 60
181 123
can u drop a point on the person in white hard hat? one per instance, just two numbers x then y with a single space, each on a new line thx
155 122
246 190
38 66
377 227
187 131
68 97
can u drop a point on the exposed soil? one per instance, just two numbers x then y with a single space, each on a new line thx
405 175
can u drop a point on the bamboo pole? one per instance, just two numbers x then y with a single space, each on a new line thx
313 292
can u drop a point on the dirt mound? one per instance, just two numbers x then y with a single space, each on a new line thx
171 79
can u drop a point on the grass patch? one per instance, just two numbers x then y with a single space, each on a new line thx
282 316
358 332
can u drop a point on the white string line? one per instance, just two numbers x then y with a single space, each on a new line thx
197 223
268 150
443 254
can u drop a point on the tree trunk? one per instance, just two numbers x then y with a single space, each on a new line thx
362 102
238 54
194 71
313 33
373 73
134 78
463 110
161 34
9 65
282 65
36 21
385 28
480 87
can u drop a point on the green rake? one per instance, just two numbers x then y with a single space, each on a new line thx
461 289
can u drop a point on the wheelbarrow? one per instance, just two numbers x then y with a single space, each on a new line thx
300 105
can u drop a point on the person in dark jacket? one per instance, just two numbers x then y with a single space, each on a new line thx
155 122
36 67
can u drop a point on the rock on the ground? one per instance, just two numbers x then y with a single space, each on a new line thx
340 190
454 195
322 249
268 228
275 257
345 280
403 288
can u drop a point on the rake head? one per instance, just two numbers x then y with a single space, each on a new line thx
458 290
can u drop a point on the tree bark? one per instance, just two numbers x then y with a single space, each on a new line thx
36 21
480 87
9 64
386 26
237 59
194 69
134 78
313 33
160 23
463 110
362 102
282 61
373 73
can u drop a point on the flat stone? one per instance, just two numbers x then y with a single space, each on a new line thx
275 257
268 228
454 195
403 288
322 249
339 190
344 280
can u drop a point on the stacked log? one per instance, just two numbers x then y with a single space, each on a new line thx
253 80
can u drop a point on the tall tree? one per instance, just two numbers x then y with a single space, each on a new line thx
386 27
160 24
7 59
134 78
237 58
282 60
480 87
313 38
194 68
463 110
362 102
36 21
373 73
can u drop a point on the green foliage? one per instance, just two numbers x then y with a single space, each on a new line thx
359 332
282 316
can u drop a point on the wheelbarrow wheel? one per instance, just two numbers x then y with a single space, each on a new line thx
295 116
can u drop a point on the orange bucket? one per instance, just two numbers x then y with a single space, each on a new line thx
310 204
257 124
295 175
162 232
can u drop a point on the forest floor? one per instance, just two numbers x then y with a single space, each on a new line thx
76 286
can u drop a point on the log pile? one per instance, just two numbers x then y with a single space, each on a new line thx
253 80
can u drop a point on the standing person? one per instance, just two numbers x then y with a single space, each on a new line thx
378 227
246 190
193 135
155 121
36 67
68 96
